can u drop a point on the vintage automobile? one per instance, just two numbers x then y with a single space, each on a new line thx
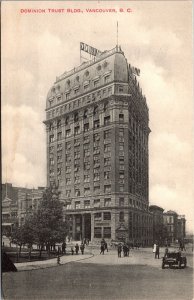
175 258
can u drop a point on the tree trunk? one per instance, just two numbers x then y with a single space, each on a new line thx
40 253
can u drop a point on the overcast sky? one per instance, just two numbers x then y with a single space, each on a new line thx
155 37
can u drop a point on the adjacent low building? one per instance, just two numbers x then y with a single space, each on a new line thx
17 202
158 227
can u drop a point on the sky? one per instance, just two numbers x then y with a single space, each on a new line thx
156 38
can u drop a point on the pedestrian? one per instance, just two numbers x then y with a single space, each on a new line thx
157 253
154 248
64 248
76 248
82 248
119 250
102 249
166 251
72 251
124 250
106 246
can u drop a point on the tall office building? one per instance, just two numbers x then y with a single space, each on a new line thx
97 149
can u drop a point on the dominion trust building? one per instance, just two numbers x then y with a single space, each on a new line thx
97 126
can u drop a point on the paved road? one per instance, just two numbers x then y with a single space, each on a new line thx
136 277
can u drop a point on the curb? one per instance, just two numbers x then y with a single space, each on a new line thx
55 265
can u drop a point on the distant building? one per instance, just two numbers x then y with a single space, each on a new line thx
158 228
181 226
97 125
17 202
170 223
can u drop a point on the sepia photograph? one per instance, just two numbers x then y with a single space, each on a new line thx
97 150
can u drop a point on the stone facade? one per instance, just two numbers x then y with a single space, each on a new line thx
17 202
97 150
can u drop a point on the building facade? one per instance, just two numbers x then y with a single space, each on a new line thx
181 227
158 227
97 128
17 202
170 223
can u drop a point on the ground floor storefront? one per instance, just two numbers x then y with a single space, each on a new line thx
131 226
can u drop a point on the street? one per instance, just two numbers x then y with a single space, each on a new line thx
138 276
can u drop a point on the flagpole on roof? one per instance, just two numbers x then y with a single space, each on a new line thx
117 34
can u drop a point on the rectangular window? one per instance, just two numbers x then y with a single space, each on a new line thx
98 232
107 161
107 232
121 217
87 165
96 202
76 91
87 204
107 148
96 189
107 216
86 127
121 117
51 138
107 188
106 78
68 193
96 137
77 204
107 175
68 132
107 134
107 202
77 192
120 89
121 146
86 152
121 188
68 205
107 120
86 191
96 176
59 136
77 130
121 201
121 132
68 180
96 123
97 216
86 139
86 178
96 83
77 180
67 96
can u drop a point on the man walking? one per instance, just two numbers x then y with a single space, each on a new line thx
119 250
157 253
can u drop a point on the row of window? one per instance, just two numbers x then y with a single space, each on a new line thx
74 92
107 203
96 123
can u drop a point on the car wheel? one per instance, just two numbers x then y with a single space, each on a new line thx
179 264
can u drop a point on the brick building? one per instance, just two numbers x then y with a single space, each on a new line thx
170 223
181 228
97 149
17 202
158 227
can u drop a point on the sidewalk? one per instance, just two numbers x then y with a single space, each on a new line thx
26 266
